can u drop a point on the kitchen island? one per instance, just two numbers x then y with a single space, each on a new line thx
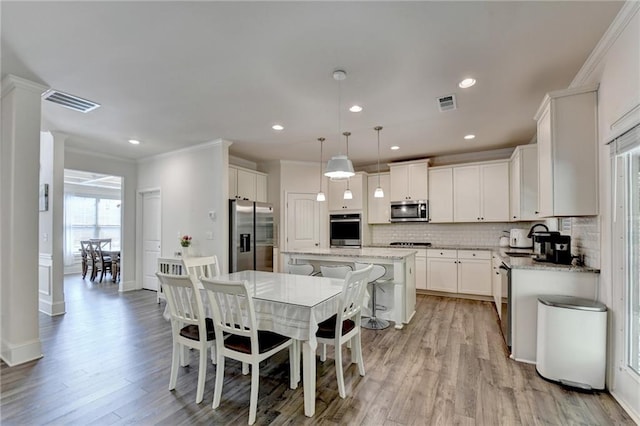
398 294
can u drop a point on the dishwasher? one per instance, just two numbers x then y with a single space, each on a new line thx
505 306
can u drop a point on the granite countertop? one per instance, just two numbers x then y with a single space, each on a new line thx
374 252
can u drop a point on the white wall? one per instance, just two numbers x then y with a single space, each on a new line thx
618 73
127 169
192 183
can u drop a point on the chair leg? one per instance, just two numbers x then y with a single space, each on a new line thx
323 354
358 353
202 374
213 354
217 391
184 356
339 373
245 368
253 403
175 359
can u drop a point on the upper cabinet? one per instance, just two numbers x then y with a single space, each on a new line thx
358 186
409 180
481 192
567 153
524 183
247 184
441 195
379 208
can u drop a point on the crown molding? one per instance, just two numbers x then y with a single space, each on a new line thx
618 25
97 154
218 142
11 82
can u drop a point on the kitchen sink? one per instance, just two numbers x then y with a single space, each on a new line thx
518 254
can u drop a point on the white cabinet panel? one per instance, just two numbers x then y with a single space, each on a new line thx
421 270
409 181
442 274
246 184
233 182
567 153
524 183
356 184
441 195
261 188
466 199
495 192
379 208
459 271
474 276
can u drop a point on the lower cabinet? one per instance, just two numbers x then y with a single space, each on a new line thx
421 269
496 283
459 271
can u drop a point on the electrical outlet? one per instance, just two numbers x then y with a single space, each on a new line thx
209 235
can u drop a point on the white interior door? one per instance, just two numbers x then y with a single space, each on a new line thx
303 221
151 215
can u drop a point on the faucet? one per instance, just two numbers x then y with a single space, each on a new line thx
535 226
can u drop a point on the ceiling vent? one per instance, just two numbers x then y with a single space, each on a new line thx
69 101
447 103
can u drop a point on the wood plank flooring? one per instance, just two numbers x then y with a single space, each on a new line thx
107 361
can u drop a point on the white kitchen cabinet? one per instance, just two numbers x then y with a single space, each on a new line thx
459 271
409 180
441 195
524 183
358 186
379 208
567 153
481 192
247 184
421 269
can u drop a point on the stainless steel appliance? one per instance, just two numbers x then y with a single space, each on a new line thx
410 211
562 250
505 311
250 236
345 230
518 239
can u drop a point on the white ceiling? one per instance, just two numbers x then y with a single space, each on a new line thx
174 74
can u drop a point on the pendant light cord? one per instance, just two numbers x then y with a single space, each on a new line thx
378 128
321 143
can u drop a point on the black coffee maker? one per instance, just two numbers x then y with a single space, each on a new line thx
562 250
544 245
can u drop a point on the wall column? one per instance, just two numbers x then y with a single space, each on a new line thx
19 187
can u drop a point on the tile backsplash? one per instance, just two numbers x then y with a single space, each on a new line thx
585 239
467 234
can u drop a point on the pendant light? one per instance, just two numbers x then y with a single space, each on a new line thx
348 195
339 167
378 193
320 196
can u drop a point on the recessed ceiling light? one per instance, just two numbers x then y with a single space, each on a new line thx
395 148
355 108
467 82
469 137
134 142
277 127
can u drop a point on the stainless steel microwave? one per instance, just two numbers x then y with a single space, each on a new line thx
410 211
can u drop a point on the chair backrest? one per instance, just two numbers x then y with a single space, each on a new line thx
233 310
377 272
352 296
95 251
84 248
338 271
184 301
302 269
197 267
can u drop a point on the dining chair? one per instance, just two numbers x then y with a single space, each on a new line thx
234 315
345 325
197 267
103 259
300 269
377 277
86 255
189 326
335 271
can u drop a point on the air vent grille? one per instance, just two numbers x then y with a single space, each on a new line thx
447 103
69 101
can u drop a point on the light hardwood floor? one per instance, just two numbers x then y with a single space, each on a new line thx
107 361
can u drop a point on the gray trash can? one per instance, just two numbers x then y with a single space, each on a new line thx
572 341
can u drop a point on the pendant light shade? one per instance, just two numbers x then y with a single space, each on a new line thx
320 195
378 193
348 195
339 167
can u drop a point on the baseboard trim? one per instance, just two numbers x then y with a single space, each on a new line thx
634 416
14 355
127 286
52 309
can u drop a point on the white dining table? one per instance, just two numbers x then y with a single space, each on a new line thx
293 305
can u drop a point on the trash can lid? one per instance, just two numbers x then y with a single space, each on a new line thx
572 302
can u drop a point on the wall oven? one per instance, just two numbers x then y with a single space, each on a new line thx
345 230
410 211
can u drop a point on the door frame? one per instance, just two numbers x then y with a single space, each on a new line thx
139 226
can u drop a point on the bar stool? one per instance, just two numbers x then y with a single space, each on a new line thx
375 278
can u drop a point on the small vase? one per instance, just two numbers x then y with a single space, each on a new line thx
186 251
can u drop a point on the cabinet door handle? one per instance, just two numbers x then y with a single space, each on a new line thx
536 212
478 218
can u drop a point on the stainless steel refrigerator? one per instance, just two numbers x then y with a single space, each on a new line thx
250 236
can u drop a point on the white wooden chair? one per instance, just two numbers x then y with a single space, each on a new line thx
345 325
197 267
234 315
300 269
189 327
377 277
337 271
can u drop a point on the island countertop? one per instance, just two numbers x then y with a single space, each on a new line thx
368 252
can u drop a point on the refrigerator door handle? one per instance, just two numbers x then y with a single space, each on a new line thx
245 243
